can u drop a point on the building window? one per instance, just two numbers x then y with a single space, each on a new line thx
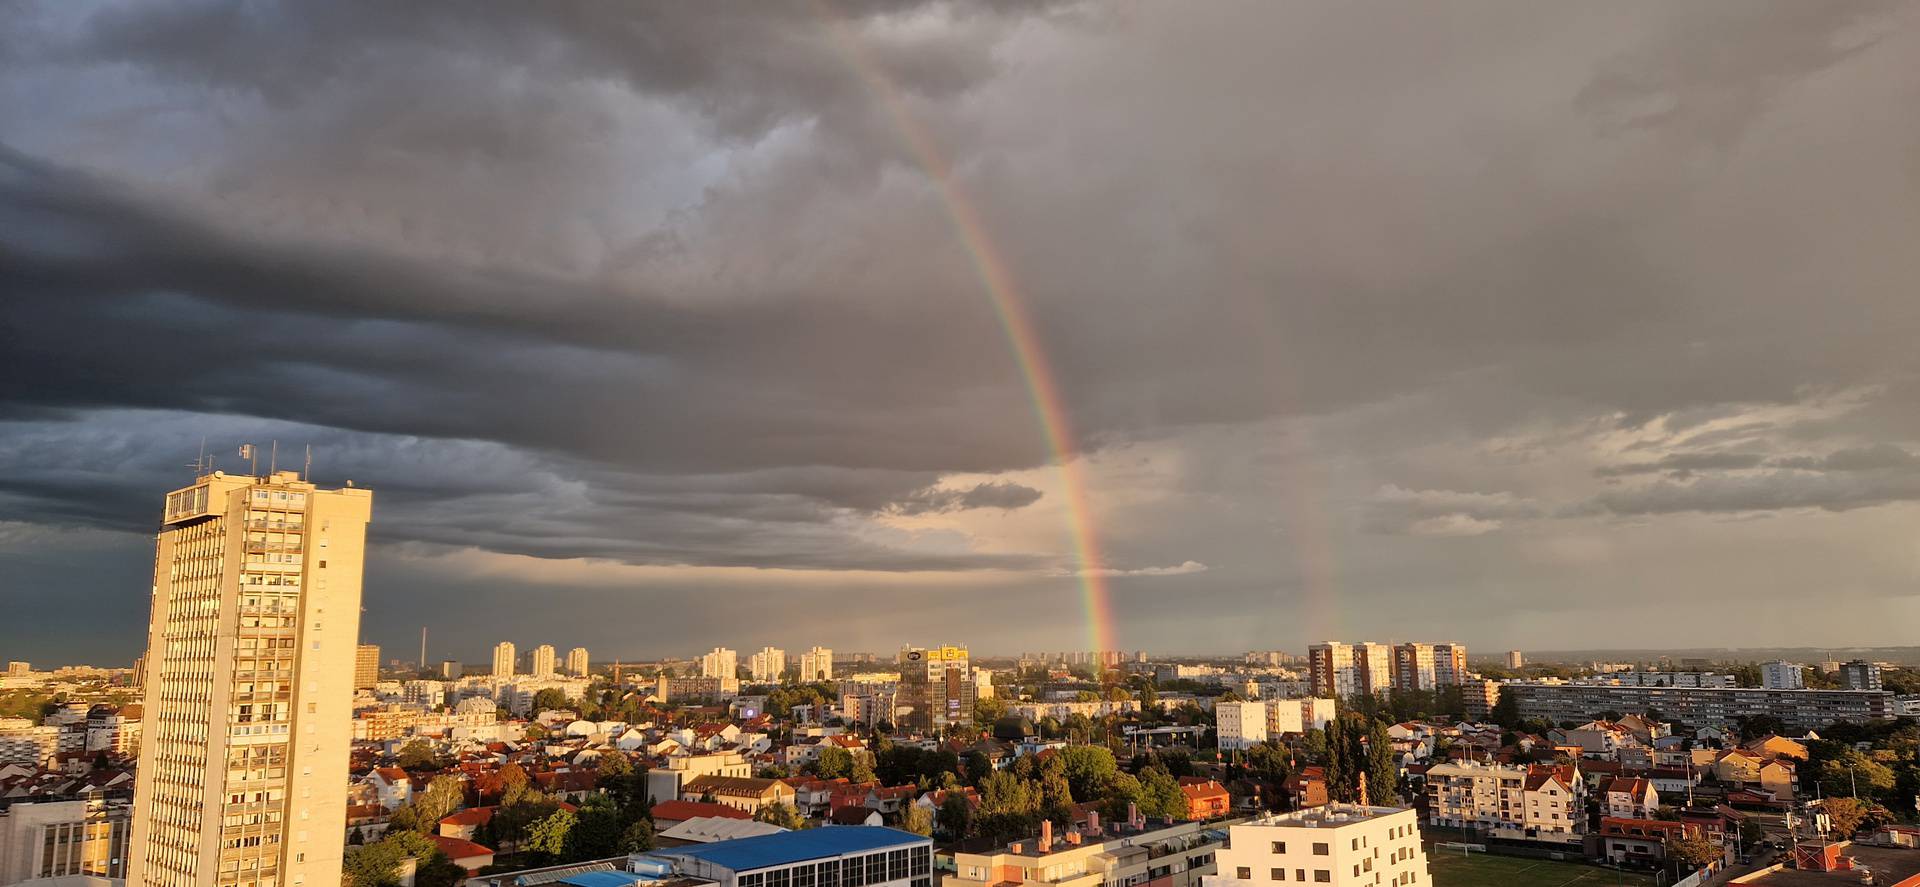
1322 876
1277 875
1320 850
1279 846
1243 873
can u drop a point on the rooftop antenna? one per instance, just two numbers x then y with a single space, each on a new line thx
273 458
308 469
253 459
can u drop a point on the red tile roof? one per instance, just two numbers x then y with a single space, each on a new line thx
681 811
457 849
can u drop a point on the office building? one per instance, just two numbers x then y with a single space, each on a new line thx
63 837
542 661
250 658
1516 660
1348 845
767 666
451 669
816 665
1860 675
1783 676
505 658
366 666
720 662
577 664
1798 710
936 689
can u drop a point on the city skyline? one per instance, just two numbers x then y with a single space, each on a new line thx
1167 328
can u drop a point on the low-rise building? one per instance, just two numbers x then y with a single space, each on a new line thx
867 855
1095 856
1340 844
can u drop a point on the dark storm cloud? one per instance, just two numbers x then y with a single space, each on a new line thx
1004 496
1326 289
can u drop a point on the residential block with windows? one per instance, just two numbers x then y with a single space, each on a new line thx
842 856
1509 801
1342 844
250 667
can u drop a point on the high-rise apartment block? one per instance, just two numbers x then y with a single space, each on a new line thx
1783 676
543 659
936 689
451 668
1516 660
1860 675
1344 670
366 666
577 664
767 666
720 662
249 686
505 657
816 665
1428 666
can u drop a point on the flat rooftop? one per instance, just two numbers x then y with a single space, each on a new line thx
1890 865
1326 816
746 854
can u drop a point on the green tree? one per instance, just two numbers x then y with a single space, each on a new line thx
417 755
596 830
551 699
977 766
1009 806
1692 850
638 837
956 816
1851 772
1056 796
781 814
1383 766
378 864
862 769
1088 769
917 820
834 762
1160 794
514 784
443 796
550 837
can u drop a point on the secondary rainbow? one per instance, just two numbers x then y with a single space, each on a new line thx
996 279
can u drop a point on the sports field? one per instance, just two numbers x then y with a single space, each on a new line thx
1482 870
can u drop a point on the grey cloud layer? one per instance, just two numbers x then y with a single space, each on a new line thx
664 285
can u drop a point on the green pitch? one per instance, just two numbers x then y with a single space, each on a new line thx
1450 869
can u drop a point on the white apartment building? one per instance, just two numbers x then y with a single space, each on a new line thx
544 658
505 657
249 684
816 665
1779 675
1343 670
1347 845
64 838
767 666
720 662
1539 803
1242 725
577 663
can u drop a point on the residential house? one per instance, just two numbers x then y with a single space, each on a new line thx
1631 798
743 792
1206 799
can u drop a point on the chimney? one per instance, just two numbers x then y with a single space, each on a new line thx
1046 836
1093 822
1133 814
1073 839
1014 848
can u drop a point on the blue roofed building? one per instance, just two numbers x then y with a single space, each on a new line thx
831 856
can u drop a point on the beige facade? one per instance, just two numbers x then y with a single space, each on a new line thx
1538 803
543 661
51 839
366 666
249 679
504 659
767 666
577 663
1345 844
1178 856
816 665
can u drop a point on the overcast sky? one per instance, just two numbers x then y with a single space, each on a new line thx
1538 325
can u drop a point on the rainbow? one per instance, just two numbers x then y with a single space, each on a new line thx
996 279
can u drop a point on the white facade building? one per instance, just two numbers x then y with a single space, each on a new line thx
1340 844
